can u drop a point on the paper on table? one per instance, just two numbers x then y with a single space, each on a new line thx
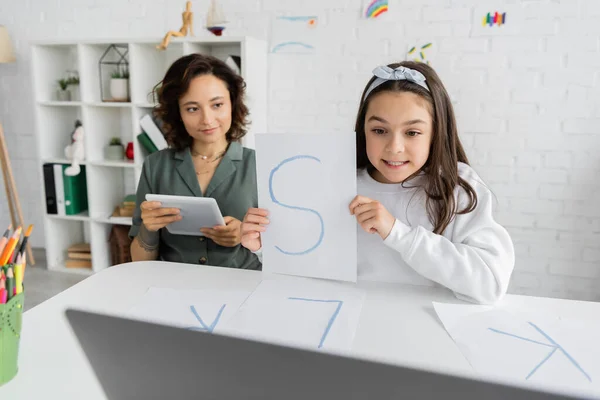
307 188
527 346
300 313
200 310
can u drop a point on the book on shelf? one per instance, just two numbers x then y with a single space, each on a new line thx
65 195
79 256
126 207
78 264
146 143
152 127
235 63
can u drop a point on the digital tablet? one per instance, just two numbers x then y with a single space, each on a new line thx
196 212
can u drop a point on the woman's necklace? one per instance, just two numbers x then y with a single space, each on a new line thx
202 157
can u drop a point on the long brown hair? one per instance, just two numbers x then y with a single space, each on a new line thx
177 82
446 151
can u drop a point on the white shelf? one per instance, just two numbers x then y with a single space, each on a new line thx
115 220
60 161
115 104
108 182
60 103
115 164
84 216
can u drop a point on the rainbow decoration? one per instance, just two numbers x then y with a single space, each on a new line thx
376 8
494 19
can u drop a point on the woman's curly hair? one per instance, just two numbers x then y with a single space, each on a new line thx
176 83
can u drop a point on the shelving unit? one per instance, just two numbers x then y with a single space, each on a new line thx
109 181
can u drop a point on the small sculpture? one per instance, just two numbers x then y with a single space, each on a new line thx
187 16
215 20
75 151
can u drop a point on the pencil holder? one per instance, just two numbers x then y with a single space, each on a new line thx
11 315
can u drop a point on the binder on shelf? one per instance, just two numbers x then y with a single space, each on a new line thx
59 189
75 192
65 195
49 188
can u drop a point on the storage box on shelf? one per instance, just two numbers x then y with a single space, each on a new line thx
109 181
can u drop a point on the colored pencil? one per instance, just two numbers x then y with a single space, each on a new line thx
4 238
10 247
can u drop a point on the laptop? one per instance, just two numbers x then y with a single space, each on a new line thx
140 360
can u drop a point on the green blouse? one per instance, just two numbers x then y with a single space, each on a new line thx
233 186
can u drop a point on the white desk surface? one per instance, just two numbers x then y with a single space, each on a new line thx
52 365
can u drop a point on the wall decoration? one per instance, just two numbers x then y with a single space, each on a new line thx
495 18
294 34
419 53
374 8
498 19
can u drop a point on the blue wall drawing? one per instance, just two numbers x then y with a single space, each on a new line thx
274 200
551 344
294 34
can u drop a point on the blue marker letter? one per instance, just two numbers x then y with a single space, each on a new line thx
294 207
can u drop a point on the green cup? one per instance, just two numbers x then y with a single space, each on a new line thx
11 315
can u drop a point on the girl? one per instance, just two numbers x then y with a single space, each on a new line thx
426 216
201 102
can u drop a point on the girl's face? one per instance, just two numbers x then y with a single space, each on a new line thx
206 109
398 130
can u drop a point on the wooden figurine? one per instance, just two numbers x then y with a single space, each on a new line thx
187 16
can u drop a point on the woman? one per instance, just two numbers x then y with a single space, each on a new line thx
201 102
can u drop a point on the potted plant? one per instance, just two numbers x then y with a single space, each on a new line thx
114 151
119 85
62 93
73 86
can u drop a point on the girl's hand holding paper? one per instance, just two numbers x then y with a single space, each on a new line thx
372 216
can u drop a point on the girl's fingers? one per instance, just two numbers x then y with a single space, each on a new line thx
362 208
358 200
364 217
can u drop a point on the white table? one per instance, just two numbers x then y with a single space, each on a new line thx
50 355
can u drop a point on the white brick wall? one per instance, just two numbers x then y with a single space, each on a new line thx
527 101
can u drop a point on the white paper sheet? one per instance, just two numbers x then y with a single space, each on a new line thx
198 310
307 183
526 346
294 34
301 313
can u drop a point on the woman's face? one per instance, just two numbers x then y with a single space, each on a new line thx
206 109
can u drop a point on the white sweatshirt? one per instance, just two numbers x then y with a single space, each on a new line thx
474 257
